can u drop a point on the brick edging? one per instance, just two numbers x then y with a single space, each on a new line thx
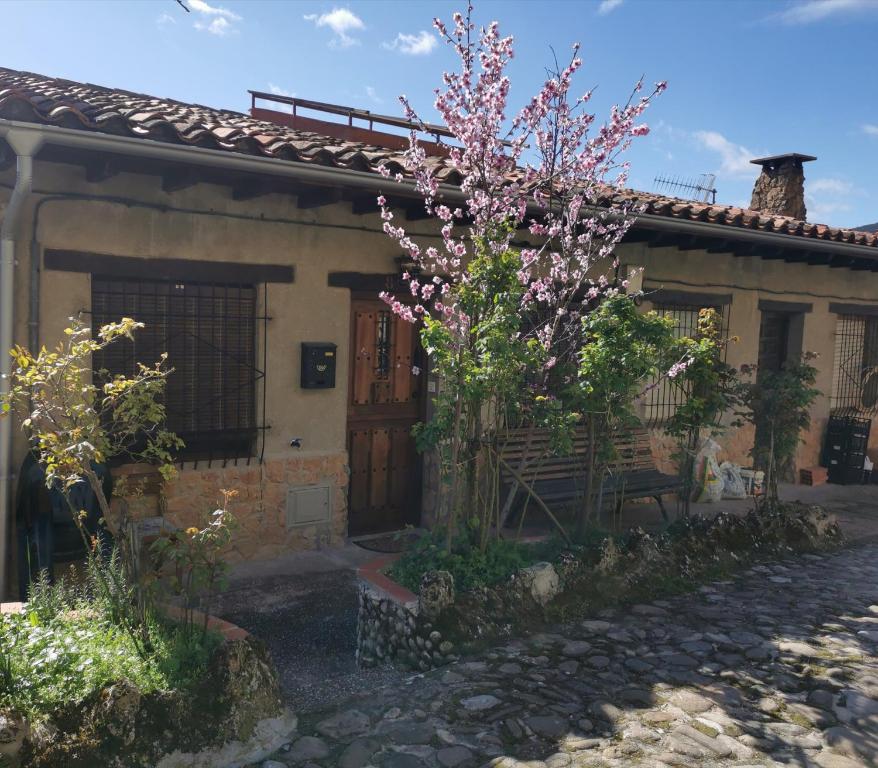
373 573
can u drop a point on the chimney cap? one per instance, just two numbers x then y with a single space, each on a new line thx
775 161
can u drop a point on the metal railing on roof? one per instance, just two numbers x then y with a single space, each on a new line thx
351 113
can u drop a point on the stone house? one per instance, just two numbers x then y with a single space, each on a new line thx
251 247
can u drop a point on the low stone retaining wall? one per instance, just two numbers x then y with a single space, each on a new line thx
435 626
234 717
427 630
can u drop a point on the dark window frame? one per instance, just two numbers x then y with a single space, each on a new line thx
660 403
210 332
855 365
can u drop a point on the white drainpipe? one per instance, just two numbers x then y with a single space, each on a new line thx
25 146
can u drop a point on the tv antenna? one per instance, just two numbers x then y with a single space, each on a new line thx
701 189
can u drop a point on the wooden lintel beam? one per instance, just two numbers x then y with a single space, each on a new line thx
100 170
178 179
249 190
317 197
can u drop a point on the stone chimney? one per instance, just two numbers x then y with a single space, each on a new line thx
780 188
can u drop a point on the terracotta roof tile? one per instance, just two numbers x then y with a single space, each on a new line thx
80 106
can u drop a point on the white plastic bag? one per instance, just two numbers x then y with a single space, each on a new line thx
708 479
733 482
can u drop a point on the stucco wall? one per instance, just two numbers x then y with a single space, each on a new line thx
750 279
314 241
271 229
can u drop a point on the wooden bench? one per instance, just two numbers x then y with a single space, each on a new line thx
527 458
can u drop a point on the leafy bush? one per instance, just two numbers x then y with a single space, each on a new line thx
66 645
470 566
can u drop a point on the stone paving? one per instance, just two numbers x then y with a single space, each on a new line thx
778 667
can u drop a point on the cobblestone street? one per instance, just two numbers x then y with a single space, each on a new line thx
776 667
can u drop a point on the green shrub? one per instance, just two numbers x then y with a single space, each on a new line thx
469 565
66 645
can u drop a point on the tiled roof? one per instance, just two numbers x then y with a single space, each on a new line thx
80 106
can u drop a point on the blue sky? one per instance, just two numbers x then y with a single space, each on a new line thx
746 77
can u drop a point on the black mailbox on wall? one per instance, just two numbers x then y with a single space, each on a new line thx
318 365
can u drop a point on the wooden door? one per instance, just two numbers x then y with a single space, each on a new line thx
384 403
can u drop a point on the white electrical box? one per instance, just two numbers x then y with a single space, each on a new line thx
309 505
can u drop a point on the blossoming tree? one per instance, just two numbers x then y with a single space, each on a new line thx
501 319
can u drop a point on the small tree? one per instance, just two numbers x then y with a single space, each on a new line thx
712 392
497 314
75 418
778 404
622 349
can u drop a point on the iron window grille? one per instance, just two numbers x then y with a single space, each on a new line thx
209 333
855 366
665 395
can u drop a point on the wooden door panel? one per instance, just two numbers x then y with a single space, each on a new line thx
380 468
359 446
364 353
403 351
384 405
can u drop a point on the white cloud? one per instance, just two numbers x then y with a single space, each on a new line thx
202 7
165 19
220 26
870 129
608 6
420 44
215 19
811 11
373 95
341 21
830 186
828 197
735 158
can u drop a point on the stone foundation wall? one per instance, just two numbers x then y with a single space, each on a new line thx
392 631
260 506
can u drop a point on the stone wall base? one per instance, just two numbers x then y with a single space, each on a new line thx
260 507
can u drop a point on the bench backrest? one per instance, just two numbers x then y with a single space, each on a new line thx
529 452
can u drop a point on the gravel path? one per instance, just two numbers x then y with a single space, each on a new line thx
775 668
309 623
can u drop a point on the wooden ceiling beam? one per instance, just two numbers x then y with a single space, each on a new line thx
721 246
251 189
178 179
631 236
318 197
100 170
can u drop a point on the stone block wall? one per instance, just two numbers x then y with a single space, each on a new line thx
260 506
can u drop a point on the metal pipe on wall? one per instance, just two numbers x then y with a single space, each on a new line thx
25 147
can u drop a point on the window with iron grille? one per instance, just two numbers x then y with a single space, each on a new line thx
855 365
209 334
661 401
